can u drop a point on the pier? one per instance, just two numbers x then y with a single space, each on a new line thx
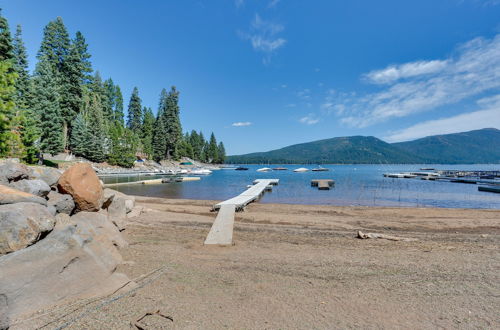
322 184
221 232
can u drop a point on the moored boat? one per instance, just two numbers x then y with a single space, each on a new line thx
320 169
301 169
241 169
280 169
264 169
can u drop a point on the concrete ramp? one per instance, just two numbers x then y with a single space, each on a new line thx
221 232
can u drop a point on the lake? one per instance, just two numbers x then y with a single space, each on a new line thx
354 185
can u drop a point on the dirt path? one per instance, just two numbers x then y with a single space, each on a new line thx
301 267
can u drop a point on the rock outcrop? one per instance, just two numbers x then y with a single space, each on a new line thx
63 203
34 187
10 195
22 224
12 171
82 183
48 174
75 261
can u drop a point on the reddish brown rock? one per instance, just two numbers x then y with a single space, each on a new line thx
82 183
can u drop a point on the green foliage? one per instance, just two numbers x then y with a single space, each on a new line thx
55 45
98 139
118 105
29 136
134 119
148 132
212 152
173 125
80 136
221 150
6 47
159 139
21 68
123 145
80 45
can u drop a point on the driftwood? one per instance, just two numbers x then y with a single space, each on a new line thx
362 235
139 326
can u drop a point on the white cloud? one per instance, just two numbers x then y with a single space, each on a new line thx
273 3
304 94
239 3
291 105
263 37
475 69
396 72
310 119
489 116
241 124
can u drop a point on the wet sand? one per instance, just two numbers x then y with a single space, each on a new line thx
302 267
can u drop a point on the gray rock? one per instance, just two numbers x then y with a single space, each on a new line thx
117 213
34 187
22 224
13 171
75 261
4 317
9 195
48 174
62 202
110 194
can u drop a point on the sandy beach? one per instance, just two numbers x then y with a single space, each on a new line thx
302 267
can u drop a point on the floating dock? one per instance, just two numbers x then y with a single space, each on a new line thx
221 232
322 184
489 189
156 181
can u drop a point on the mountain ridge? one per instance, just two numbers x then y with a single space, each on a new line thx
477 146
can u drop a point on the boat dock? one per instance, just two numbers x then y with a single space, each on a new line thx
221 232
156 181
322 184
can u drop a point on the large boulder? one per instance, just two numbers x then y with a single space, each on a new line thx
22 224
82 183
62 202
48 174
35 187
117 213
12 171
111 195
10 195
75 261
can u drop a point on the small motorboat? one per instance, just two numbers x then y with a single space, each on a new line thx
241 169
320 169
280 169
264 169
201 171
301 169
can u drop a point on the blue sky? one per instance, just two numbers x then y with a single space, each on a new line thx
264 74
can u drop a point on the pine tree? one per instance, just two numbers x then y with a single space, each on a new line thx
7 106
222 153
109 107
148 132
80 136
46 106
134 118
118 105
6 48
212 151
159 133
173 124
123 145
98 139
81 46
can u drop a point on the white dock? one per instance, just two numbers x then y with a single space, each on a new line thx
221 232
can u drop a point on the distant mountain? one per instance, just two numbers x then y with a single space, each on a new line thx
480 146
340 150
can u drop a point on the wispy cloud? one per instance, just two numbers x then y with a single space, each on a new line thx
488 116
310 119
264 37
272 3
239 3
426 85
241 124
304 94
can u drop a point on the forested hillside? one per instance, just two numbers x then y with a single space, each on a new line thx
64 105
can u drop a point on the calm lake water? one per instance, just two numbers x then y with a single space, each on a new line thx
354 185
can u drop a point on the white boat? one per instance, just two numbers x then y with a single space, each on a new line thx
264 169
201 171
394 175
301 169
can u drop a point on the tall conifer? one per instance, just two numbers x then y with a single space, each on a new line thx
134 118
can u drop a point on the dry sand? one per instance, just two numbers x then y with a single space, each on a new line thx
301 267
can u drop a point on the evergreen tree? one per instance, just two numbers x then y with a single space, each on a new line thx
173 125
46 106
7 106
148 132
80 137
109 107
212 151
222 153
118 105
134 119
54 51
6 48
123 145
159 133
81 46
98 139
